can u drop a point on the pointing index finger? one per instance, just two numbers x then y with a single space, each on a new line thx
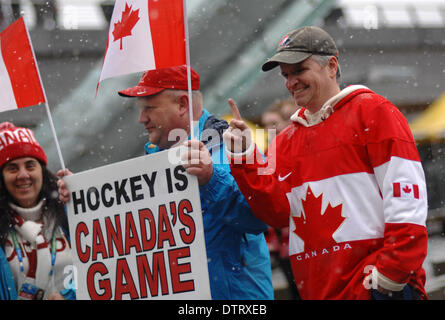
235 110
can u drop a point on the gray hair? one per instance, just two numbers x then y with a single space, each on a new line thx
196 94
323 61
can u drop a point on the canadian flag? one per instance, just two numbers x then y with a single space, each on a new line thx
405 190
20 83
144 35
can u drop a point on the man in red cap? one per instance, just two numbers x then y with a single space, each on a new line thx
237 253
163 103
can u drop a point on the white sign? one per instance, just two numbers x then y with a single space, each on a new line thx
136 231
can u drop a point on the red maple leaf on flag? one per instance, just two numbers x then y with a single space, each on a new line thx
314 227
123 28
407 189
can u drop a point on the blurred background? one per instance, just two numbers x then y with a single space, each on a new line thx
395 47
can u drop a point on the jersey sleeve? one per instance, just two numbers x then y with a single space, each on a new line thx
222 196
400 177
257 181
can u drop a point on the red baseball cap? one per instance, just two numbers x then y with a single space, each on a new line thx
155 81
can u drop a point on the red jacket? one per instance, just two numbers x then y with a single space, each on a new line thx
352 190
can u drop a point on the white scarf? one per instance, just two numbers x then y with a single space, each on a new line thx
308 119
28 226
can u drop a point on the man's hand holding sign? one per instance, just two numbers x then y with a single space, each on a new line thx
198 161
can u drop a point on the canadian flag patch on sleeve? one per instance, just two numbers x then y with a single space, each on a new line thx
405 190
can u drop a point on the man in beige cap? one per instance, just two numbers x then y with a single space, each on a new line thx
345 177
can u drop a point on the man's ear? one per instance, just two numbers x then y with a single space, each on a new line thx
183 104
333 66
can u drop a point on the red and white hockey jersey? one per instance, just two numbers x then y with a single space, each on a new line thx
351 187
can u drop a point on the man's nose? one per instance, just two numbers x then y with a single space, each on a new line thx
291 81
142 117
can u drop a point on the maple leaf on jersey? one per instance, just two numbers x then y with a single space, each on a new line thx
123 27
314 227
406 189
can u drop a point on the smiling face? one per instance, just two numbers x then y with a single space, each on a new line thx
23 179
310 83
162 113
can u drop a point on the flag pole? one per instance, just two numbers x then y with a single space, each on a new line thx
189 77
54 132
48 112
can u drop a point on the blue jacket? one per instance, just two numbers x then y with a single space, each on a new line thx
7 285
237 254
